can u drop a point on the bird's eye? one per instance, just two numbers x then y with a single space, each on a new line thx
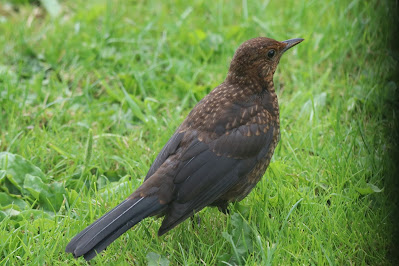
271 53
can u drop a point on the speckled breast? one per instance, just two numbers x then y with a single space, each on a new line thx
247 183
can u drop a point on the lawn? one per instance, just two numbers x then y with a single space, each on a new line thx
90 91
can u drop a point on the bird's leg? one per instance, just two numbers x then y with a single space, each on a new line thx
195 220
224 207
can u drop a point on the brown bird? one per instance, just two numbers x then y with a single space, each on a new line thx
216 156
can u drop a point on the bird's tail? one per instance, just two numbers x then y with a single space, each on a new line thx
97 236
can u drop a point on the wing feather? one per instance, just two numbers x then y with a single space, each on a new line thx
208 175
169 148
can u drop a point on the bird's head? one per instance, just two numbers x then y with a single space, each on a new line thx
256 60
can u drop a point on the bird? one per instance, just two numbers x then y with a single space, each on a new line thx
215 157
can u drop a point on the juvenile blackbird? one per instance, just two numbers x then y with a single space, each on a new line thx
216 156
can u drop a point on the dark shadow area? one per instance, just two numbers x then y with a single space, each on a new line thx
392 112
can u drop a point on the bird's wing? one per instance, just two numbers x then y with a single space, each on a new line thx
210 169
169 148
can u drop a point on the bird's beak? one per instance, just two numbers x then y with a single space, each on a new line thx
291 43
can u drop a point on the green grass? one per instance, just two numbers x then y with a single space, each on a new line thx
91 96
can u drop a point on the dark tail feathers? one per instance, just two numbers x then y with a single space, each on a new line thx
97 236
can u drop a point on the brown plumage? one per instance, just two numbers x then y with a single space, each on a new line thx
215 157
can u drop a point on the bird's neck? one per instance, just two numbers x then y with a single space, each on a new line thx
254 82
260 90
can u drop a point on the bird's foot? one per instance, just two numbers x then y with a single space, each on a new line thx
224 208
